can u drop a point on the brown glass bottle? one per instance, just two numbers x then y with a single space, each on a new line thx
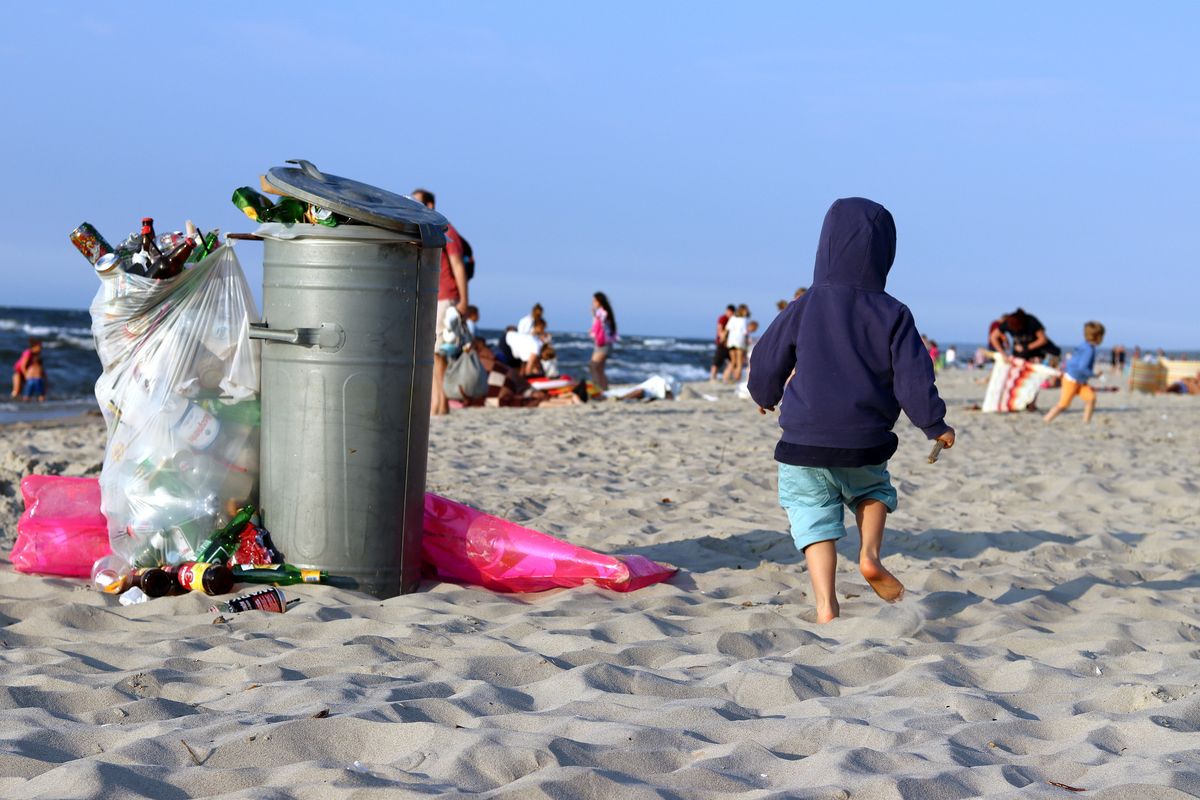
153 581
200 577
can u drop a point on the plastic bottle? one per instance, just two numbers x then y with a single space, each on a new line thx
110 574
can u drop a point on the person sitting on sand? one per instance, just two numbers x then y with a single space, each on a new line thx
858 360
1079 368
527 347
549 359
1185 385
656 387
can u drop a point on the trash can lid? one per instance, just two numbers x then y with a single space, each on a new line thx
360 201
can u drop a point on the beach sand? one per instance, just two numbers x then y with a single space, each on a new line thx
1051 631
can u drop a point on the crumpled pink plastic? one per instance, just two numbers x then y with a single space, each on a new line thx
468 546
62 531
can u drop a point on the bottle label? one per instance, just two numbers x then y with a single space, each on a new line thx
191 576
199 428
310 575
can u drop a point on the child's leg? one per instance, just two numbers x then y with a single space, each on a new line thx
871 516
814 509
821 559
1069 389
1089 402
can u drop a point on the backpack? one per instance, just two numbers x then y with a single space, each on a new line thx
468 257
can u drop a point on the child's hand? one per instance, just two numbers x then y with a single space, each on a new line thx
947 439
762 410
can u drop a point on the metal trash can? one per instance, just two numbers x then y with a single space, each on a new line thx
347 365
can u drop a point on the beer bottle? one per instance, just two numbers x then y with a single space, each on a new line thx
278 574
174 261
224 541
153 581
196 576
148 259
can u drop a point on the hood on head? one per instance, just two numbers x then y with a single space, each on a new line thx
857 246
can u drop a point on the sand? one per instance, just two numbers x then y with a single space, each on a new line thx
1051 632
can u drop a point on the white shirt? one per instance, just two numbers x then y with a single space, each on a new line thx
735 333
524 346
526 324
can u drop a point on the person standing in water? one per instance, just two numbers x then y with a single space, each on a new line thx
604 333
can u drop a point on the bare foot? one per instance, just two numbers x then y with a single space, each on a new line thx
883 582
828 612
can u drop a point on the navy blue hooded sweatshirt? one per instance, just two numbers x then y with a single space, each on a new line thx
855 350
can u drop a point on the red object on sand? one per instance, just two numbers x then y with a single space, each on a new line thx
468 546
62 531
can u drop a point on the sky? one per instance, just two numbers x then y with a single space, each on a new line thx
676 155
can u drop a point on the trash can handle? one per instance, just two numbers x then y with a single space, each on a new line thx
330 336
309 169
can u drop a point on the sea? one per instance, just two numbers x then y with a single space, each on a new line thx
72 367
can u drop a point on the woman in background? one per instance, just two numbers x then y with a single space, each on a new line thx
604 333
737 340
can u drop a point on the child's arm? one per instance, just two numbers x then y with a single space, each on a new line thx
913 380
774 358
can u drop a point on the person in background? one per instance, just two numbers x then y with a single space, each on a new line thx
35 378
525 324
936 354
721 356
1029 339
22 365
549 359
452 291
1080 366
844 361
780 305
604 334
1121 354
736 341
951 357
473 321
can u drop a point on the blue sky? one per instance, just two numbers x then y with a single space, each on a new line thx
678 155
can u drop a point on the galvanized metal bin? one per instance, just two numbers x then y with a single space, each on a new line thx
347 365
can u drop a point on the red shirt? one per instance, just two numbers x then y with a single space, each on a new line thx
721 320
447 286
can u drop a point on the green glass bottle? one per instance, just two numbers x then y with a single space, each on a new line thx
217 548
278 574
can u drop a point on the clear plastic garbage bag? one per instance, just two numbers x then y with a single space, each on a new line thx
179 394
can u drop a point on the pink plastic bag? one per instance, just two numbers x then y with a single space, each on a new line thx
62 531
468 546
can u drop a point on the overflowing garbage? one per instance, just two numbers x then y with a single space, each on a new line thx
175 508
179 395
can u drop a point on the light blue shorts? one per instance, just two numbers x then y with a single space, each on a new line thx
814 497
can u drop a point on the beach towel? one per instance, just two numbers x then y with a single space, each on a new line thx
1014 384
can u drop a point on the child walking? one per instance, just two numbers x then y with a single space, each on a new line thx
1079 368
858 360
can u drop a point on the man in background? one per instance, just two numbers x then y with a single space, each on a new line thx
452 291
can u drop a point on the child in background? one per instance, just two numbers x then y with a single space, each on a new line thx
1079 368
35 378
472 321
858 360
549 359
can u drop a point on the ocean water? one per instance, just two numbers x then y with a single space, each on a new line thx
72 366
67 352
